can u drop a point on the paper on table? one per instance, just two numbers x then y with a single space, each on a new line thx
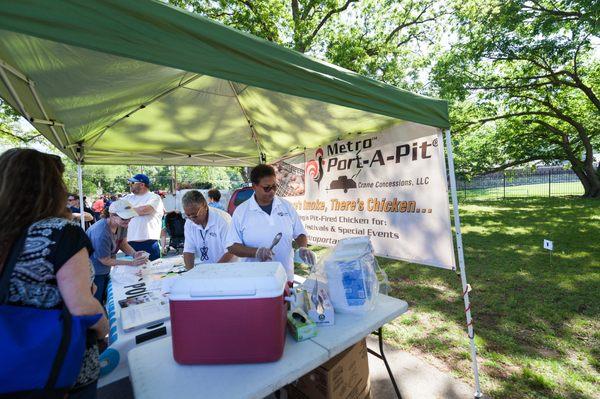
161 283
138 315
125 275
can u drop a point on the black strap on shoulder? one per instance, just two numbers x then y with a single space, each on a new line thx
9 265
67 320
65 340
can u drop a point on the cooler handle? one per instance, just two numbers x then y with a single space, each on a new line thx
205 293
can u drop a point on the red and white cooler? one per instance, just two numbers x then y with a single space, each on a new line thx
229 313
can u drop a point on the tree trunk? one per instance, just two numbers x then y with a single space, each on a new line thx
591 183
584 170
245 172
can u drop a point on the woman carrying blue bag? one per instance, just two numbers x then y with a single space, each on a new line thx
50 322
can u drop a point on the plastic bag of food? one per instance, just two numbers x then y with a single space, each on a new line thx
351 275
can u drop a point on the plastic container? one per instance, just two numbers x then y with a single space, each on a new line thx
351 276
229 313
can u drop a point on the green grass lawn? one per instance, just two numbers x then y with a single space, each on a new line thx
537 320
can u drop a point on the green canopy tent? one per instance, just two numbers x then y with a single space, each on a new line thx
112 82
141 82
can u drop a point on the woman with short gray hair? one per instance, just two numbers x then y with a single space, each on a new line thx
205 231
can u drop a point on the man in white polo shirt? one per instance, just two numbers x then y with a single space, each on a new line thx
205 232
143 232
258 220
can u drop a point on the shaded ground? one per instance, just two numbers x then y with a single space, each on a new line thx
537 319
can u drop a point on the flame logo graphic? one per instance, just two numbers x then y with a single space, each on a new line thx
314 167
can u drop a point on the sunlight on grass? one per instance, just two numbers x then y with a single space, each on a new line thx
537 320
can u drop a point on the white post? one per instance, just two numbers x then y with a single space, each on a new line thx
80 188
461 262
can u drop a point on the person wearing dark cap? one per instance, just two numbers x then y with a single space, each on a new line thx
143 232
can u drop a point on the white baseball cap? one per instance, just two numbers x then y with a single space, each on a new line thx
123 209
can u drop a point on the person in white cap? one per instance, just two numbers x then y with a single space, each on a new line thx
108 236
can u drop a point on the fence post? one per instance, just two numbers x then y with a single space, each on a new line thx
549 182
504 183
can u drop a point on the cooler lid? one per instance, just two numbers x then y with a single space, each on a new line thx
230 281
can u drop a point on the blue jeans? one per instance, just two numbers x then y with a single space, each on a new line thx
87 392
150 246
101 281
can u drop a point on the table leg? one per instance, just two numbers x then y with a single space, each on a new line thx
381 355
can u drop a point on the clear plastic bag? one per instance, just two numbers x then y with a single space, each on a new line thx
351 275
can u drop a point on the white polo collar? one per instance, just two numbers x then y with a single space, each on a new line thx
253 206
212 220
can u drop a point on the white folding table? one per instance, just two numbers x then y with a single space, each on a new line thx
155 374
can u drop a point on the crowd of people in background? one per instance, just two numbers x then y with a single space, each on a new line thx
48 261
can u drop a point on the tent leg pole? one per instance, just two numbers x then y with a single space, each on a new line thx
80 188
174 179
461 262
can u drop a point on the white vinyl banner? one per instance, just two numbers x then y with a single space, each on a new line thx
390 186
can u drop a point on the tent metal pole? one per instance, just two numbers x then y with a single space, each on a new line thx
14 94
31 84
461 262
96 136
250 125
80 188
38 101
174 190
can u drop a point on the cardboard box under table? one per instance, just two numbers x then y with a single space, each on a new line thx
346 376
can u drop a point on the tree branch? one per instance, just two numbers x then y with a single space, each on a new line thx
331 13
24 140
267 30
505 116
295 11
555 12
513 163
404 24
515 86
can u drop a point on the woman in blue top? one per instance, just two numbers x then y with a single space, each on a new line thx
108 236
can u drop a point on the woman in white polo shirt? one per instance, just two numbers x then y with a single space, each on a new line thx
258 220
205 231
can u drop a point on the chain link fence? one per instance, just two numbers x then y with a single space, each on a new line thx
518 183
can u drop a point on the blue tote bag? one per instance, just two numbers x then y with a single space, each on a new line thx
41 349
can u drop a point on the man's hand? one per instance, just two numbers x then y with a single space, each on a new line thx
140 254
264 254
138 261
307 256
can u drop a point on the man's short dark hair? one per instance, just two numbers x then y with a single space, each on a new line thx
75 196
214 194
260 171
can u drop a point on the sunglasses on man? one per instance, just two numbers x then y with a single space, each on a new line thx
198 214
267 189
